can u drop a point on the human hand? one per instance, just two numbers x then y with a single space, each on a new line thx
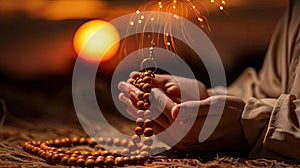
228 134
161 105
179 89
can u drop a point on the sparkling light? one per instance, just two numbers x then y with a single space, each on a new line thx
190 9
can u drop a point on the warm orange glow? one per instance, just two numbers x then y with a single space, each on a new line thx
95 38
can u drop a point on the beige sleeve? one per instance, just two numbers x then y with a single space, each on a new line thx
270 119
273 131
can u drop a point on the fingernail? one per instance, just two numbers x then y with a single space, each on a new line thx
122 85
175 111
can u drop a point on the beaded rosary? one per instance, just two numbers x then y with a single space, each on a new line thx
137 152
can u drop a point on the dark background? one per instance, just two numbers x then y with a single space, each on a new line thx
37 58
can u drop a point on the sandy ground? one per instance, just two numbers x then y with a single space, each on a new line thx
14 132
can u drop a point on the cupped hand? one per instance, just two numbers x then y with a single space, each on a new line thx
225 110
179 89
161 105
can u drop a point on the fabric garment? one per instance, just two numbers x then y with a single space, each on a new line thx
271 116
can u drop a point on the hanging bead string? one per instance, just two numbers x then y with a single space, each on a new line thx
139 151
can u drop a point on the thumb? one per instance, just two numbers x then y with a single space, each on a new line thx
160 80
186 110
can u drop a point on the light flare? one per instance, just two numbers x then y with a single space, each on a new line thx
191 9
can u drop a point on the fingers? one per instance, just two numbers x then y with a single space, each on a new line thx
160 81
125 99
162 103
132 111
134 75
214 106
126 87
186 110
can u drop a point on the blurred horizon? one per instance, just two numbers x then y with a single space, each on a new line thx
36 36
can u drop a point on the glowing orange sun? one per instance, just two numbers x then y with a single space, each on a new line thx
95 40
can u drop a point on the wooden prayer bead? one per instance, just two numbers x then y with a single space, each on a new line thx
57 142
124 143
146 105
64 160
80 157
96 154
148 73
74 155
90 163
148 114
136 139
148 123
147 88
119 161
40 152
140 160
116 153
140 86
61 155
140 113
75 140
91 157
49 157
140 95
77 152
148 141
109 162
67 141
101 140
72 161
35 150
49 142
139 80
83 141
100 161
146 148
144 153
80 162
132 146
69 152
148 132
53 149
86 153
110 157
138 130
109 141
140 122
60 150
147 79
105 153
126 159
92 142
146 96
140 104
117 142
125 152
36 143
55 159
132 160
